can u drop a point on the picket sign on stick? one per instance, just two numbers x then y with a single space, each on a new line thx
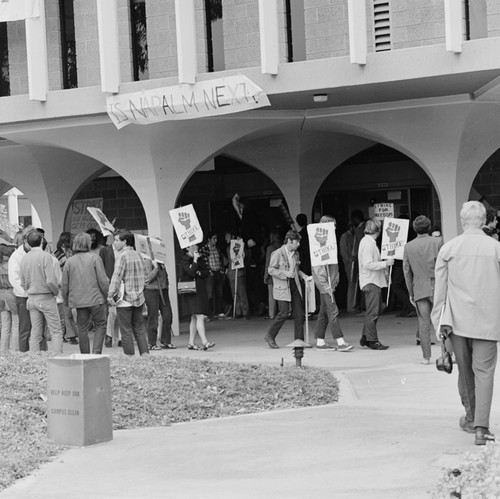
237 257
104 224
306 292
394 238
186 225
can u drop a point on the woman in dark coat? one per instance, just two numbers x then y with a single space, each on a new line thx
192 266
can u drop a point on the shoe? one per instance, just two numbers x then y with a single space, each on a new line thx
65 340
119 343
208 345
467 426
376 345
483 435
346 347
193 347
154 347
418 343
425 362
270 341
363 341
73 341
108 341
412 314
168 346
326 346
245 317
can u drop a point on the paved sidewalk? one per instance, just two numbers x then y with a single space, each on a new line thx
394 428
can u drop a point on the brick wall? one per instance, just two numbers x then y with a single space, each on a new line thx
493 7
327 28
241 33
417 23
487 181
119 201
87 43
18 65
125 41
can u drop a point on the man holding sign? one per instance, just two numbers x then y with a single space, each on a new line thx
372 278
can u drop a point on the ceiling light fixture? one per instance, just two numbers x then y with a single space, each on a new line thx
320 98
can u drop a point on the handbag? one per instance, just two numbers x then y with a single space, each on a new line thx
186 287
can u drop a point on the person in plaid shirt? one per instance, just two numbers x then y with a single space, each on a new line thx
213 260
129 274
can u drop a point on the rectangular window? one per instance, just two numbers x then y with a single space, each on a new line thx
475 19
4 62
381 25
215 35
68 43
139 39
295 30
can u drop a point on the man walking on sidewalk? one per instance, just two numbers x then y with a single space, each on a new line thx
466 309
285 272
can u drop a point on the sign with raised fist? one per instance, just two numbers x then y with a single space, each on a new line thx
394 238
322 243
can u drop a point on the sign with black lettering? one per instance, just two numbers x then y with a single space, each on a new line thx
81 219
186 225
182 102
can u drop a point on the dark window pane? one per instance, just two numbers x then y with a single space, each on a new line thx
215 35
68 44
295 30
139 39
4 61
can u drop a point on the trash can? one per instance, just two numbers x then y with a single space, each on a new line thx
79 400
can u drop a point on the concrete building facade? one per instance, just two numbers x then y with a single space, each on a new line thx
420 78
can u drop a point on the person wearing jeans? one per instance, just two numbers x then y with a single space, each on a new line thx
85 288
129 277
157 300
372 279
419 260
41 279
284 270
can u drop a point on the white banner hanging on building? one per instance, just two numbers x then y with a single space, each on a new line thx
182 102
16 10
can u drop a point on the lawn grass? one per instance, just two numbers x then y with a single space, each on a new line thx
153 391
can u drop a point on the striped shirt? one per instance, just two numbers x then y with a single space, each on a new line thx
130 271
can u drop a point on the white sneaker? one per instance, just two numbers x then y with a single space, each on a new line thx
346 347
326 346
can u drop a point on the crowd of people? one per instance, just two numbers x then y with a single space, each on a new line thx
84 285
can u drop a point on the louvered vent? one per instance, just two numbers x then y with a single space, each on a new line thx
382 25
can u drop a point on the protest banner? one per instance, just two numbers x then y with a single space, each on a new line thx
383 210
394 238
322 243
81 219
17 10
104 224
217 96
186 226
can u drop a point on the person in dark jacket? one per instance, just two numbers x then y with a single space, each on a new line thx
192 266
85 287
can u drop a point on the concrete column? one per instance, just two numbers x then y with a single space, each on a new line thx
35 219
13 207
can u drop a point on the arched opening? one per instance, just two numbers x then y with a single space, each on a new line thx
211 189
378 174
486 185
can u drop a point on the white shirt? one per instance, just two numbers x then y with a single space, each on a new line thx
371 267
15 271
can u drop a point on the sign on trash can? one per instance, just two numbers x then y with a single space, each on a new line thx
79 400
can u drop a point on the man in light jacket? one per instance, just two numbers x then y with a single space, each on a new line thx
285 271
85 287
466 310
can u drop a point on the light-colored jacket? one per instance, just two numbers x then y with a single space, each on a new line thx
419 260
14 267
468 285
278 268
326 278
371 267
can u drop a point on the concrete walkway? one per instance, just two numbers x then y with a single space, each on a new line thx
394 428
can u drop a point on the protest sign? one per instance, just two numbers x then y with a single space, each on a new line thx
322 243
102 221
186 226
217 96
143 246
394 238
81 219
158 250
237 254
383 210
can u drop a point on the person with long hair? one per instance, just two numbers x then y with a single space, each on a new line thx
192 266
